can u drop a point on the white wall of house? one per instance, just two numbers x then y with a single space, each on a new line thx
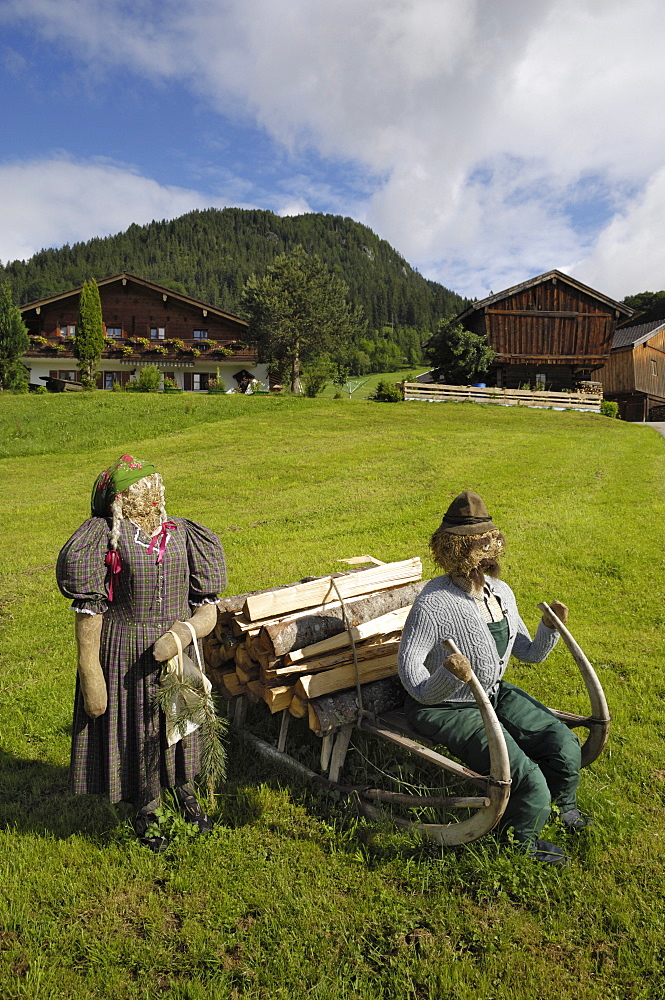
66 367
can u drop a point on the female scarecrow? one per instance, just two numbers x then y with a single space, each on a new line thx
478 611
133 574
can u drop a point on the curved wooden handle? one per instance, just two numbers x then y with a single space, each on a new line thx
598 733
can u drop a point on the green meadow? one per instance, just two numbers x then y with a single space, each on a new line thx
292 895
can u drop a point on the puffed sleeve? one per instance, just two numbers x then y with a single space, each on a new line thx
81 571
207 569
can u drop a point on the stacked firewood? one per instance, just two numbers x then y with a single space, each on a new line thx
293 647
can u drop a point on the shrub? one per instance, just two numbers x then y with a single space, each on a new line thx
150 379
610 409
315 377
386 392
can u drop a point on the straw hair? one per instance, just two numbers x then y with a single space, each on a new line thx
468 556
142 503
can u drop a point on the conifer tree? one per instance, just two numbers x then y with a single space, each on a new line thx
89 338
297 312
14 341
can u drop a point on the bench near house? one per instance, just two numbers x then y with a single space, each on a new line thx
145 324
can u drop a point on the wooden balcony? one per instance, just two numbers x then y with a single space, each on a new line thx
128 350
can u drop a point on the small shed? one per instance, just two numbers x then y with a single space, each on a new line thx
634 374
550 330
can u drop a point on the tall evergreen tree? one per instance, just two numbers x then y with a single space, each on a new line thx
458 353
297 312
89 338
14 341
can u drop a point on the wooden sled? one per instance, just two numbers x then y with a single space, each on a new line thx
488 806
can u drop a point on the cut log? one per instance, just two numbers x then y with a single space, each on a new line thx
226 683
243 658
298 707
338 678
320 623
308 595
247 674
255 692
277 698
383 625
341 708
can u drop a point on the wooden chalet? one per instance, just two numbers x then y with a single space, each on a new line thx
551 330
634 374
145 324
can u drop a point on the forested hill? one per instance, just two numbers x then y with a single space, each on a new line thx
209 255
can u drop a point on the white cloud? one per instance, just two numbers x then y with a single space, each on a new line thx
482 119
629 255
54 201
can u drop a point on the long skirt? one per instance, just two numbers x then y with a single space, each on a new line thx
123 753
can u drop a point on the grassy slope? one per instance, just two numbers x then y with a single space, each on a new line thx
292 485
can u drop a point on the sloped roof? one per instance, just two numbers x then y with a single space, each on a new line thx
633 336
538 280
153 286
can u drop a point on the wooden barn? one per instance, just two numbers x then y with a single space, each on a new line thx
145 323
551 330
634 374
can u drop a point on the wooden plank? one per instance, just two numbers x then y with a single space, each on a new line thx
345 656
425 752
339 678
385 625
307 595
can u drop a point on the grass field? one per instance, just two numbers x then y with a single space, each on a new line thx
292 896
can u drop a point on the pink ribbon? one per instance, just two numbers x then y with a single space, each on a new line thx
161 536
112 560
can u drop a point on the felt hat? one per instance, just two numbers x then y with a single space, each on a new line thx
467 515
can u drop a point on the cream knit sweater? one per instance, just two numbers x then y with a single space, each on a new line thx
443 611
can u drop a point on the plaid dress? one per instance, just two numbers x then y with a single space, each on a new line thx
123 753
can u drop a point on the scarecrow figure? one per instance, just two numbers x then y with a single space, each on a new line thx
478 611
133 574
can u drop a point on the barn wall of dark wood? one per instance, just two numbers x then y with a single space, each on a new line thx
618 373
650 370
547 322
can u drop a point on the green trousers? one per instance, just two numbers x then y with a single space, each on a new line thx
544 754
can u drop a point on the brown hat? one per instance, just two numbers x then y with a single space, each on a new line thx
467 515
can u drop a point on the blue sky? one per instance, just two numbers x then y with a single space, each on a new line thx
486 141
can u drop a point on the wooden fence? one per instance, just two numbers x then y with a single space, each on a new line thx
433 392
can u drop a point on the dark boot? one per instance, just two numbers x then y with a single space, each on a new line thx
548 854
191 808
575 820
146 825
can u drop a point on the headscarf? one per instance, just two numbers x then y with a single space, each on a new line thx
116 479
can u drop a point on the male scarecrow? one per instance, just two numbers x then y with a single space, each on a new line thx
133 575
478 611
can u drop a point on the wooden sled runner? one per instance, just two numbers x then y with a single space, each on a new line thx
487 807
